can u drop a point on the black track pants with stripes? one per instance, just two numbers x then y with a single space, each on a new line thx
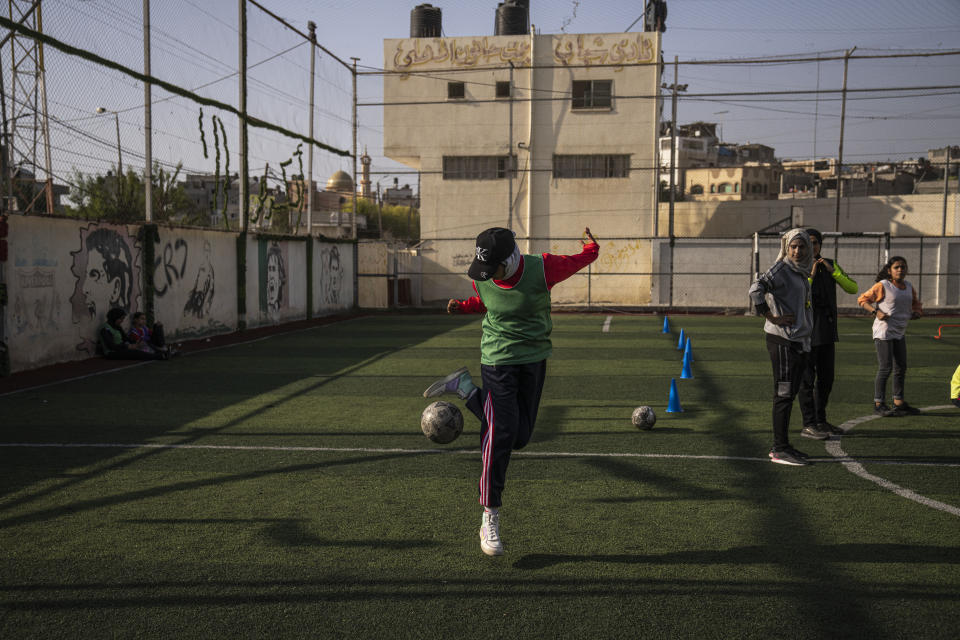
506 406
789 362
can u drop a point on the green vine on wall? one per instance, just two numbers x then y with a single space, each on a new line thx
203 137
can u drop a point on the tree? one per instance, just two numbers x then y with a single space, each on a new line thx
104 197
399 223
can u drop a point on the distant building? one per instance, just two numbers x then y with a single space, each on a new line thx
938 158
751 182
697 145
400 196
332 214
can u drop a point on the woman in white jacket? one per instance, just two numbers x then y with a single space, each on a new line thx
782 296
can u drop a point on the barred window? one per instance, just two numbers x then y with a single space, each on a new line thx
594 166
456 91
592 94
478 167
503 89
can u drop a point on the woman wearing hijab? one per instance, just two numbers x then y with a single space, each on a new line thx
782 296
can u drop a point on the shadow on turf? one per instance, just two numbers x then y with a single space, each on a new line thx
637 472
798 556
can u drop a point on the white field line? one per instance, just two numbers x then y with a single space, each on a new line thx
185 355
471 452
854 467
606 324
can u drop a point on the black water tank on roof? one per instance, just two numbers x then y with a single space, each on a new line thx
511 18
426 21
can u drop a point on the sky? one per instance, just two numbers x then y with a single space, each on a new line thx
194 45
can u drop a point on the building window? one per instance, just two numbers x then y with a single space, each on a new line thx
456 91
726 187
503 89
736 187
713 188
592 94
478 167
598 166
696 190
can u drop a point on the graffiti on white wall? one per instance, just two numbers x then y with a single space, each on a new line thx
200 298
107 272
36 307
274 279
331 275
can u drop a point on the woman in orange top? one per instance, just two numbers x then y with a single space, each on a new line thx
894 302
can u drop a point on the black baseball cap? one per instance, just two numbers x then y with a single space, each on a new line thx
494 246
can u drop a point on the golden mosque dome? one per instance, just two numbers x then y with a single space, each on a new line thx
340 181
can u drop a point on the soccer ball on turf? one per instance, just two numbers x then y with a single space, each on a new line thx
644 417
442 422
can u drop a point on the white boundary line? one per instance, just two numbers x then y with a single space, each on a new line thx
191 353
854 467
606 324
476 452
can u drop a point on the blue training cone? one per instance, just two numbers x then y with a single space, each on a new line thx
673 406
686 374
682 338
687 351
666 325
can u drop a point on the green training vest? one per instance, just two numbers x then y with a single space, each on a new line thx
517 326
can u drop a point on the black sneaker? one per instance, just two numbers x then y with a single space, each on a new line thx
883 410
787 457
815 433
834 430
905 409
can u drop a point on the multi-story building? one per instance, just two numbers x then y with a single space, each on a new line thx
752 181
697 146
543 134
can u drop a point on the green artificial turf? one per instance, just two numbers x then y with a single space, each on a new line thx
298 497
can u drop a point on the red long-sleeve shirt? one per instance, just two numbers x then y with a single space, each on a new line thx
556 269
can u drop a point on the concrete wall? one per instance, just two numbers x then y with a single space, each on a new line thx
372 275
910 215
63 275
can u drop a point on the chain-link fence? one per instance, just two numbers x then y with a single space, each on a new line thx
82 128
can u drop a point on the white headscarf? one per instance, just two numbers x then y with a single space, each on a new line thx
512 263
802 266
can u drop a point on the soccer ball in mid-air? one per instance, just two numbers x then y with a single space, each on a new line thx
644 417
442 422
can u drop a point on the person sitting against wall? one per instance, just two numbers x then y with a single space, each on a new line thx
115 345
143 337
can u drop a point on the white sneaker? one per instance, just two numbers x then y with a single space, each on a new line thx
458 382
490 541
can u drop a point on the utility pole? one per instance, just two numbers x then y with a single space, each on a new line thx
312 29
510 155
946 182
353 224
243 201
147 120
843 116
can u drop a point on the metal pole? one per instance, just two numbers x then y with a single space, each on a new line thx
510 155
243 199
45 122
116 121
147 120
353 223
843 116
946 181
673 165
312 29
